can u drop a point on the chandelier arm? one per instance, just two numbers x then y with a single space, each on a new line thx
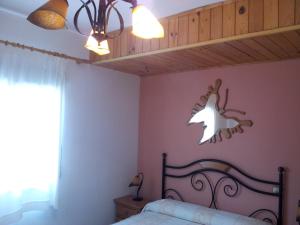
110 2
95 11
88 11
132 2
101 14
121 21
112 6
84 5
76 19
107 7
107 15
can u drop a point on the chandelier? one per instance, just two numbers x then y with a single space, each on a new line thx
144 24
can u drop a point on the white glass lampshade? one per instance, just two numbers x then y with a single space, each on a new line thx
101 48
145 25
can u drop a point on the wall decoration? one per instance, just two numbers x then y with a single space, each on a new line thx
215 119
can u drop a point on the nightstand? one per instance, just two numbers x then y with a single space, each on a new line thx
126 207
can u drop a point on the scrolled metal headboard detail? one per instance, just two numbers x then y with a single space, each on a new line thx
234 179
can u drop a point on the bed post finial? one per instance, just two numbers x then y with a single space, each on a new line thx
280 205
164 155
164 163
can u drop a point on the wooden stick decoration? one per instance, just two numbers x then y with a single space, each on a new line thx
51 53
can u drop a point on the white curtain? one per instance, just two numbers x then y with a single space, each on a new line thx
31 100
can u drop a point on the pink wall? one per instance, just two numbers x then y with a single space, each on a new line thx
269 93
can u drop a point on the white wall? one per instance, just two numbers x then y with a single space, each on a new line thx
99 155
16 28
100 143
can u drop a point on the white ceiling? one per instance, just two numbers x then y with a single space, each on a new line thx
161 8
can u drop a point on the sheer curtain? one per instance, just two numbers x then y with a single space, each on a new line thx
31 100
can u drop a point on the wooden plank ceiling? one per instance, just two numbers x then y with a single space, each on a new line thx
230 33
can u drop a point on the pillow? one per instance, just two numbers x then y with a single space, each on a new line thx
199 214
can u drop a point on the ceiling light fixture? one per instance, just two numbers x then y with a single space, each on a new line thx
144 23
52 16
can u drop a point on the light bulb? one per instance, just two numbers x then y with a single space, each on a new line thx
145 25
101 48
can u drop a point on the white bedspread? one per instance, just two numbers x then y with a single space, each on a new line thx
153 218
171 212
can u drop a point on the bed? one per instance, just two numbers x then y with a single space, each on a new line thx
173 210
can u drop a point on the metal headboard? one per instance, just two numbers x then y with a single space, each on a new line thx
227 172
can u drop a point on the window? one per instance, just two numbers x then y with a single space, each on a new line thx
30 125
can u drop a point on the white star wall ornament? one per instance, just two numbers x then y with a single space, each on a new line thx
214 120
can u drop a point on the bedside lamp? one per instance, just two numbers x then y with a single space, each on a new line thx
298 213
137 181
